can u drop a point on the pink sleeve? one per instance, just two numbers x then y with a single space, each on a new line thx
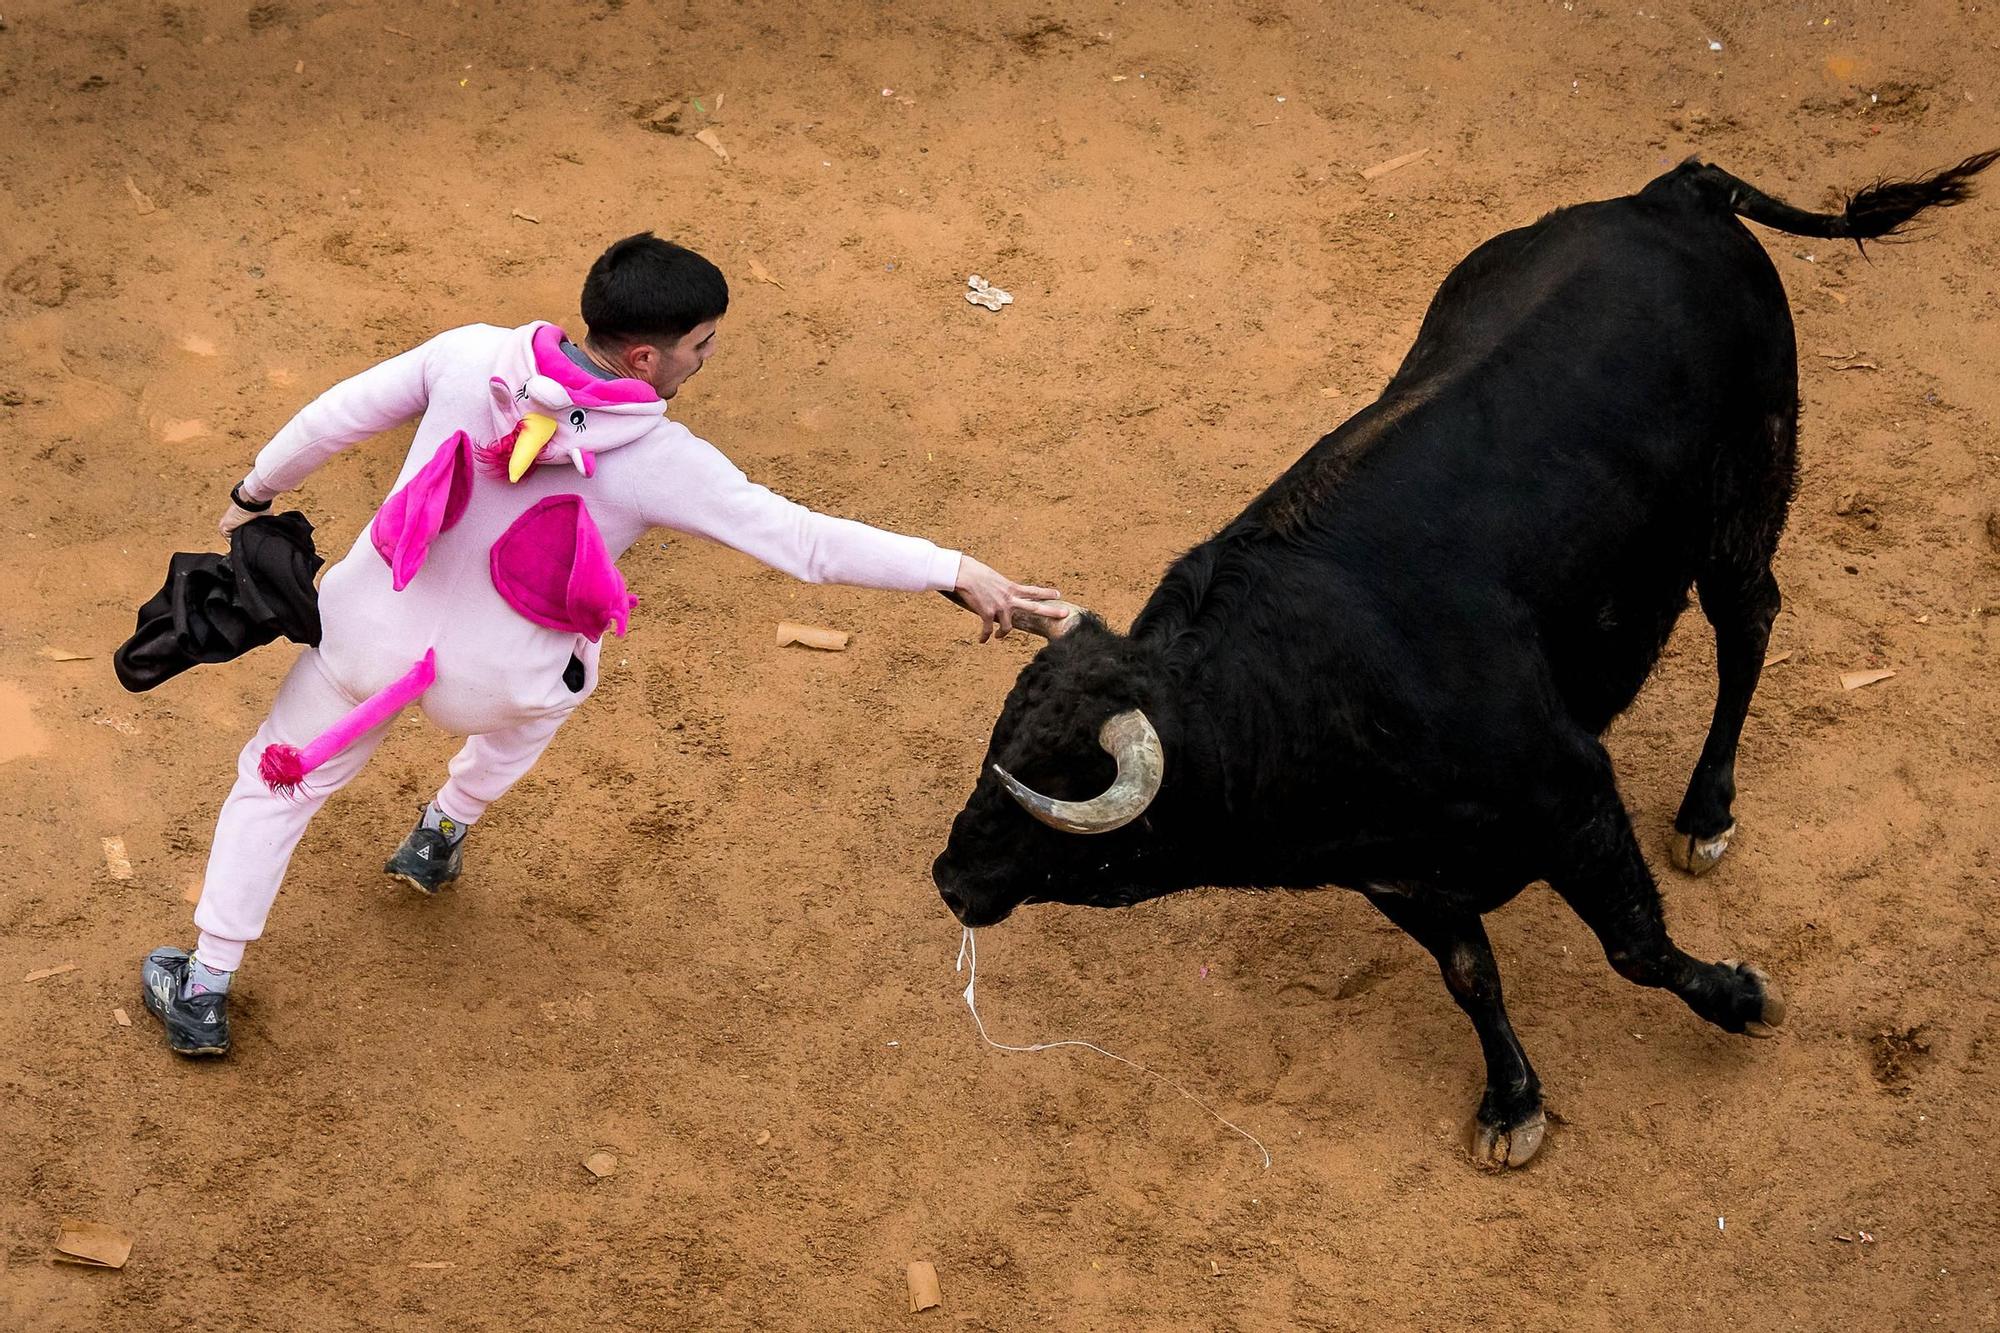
376 400
703 493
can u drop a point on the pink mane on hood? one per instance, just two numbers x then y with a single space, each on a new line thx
585 389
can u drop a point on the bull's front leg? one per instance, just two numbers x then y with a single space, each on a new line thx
1507 1130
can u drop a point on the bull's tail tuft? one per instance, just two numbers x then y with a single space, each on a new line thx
1886 207
1882 209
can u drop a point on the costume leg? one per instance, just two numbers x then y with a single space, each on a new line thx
257 830
489 764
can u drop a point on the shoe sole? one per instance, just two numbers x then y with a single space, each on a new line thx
197 1052
146 1000
428 890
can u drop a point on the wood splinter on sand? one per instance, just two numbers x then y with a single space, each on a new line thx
923 1280
1384 168
812 636
714 141
92 1244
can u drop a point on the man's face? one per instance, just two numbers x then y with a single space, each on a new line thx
667 366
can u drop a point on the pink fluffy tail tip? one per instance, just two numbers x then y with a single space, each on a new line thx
283 769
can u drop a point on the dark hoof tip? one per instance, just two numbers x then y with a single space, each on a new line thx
1774 1012
1697 856
1507 1147
1771 1001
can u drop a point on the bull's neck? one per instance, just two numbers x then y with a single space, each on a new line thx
1249 800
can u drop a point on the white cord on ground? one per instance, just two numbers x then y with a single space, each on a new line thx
968 954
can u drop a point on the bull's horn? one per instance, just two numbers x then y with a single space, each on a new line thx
1130 739
1050 627
1066 618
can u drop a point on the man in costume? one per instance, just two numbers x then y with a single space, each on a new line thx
482 588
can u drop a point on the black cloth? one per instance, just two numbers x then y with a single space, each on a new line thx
215 608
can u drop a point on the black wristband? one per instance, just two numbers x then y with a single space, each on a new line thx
252 506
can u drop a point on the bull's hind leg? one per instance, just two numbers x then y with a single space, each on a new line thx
1508 1128
1752 488
1602 875
1741 609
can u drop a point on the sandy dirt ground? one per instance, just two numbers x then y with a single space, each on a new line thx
702 936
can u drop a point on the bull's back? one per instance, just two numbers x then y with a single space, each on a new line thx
1544 463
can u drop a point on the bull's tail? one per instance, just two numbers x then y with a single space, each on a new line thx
1882 209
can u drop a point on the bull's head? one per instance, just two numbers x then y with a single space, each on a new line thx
1077 759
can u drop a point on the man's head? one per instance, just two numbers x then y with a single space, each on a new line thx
652 307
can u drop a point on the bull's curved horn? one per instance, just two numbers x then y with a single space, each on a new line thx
1130 739
1050 627
1067 616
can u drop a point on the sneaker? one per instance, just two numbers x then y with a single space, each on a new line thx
427 860
196 1025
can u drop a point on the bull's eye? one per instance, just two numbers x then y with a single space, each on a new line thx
576 418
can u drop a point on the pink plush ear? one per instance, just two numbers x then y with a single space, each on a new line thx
596 595
552 566
432 502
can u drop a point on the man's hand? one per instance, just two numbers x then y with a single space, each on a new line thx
241 510
994 598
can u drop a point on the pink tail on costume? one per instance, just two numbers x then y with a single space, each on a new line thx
284 767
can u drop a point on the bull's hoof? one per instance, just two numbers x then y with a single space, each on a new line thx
1506 1147
1697 856
1767 1001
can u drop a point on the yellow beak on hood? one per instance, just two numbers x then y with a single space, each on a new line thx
536 430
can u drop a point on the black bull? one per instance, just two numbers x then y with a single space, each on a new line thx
1392 671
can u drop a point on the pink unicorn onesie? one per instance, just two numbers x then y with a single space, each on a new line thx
483 587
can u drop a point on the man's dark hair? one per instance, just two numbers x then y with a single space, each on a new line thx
644 288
